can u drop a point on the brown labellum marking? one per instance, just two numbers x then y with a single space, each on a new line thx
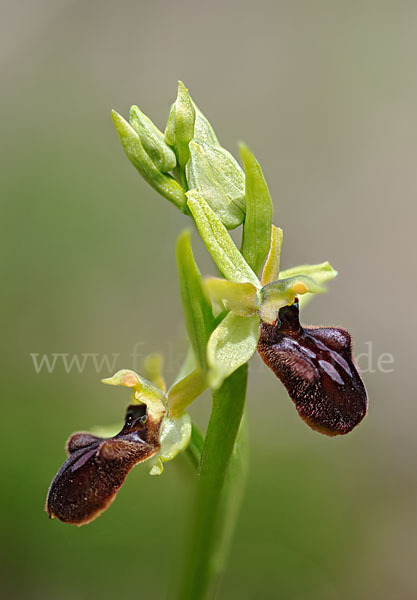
89 479
316 367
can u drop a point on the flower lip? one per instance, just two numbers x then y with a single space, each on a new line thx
316 367
96 467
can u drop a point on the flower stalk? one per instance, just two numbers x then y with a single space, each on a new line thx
208 542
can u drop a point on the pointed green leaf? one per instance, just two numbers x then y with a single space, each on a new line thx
259 210
162 183
218 241
240 298
231 345
271 268
198 314
153 141
214 173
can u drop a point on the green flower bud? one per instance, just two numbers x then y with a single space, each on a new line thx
203 131
179 130
161 182
214 173
153 141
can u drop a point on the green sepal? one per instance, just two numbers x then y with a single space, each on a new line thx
240 298
218 241
259 211
270 271
214 173
185 391
283 292
161 182
174 438
199 318
179 129
231 345
162 156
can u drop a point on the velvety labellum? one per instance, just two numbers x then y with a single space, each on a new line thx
88 481
316 367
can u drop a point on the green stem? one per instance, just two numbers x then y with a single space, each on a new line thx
206 549
195 447
232 496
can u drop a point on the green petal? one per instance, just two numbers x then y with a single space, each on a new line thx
218 241
185 391
231 345
271 269
259 209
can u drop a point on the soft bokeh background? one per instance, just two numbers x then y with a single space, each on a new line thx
325 93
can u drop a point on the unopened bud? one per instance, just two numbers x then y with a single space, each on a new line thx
161 182
162 156
179 130
214 173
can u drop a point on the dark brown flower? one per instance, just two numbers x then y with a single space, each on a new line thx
316 367
88 481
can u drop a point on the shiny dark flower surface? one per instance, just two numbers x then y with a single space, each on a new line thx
88 481
316 367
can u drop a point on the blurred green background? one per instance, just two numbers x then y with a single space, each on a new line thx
325 94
